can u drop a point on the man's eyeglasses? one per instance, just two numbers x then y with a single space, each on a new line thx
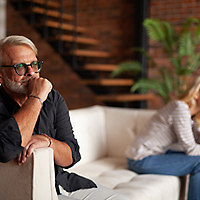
22 68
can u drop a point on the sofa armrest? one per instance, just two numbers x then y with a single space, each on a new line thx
33 180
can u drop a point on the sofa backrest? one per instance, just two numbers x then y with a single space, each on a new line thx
89 129
122 125
106 131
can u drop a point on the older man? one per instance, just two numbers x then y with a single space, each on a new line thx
33 115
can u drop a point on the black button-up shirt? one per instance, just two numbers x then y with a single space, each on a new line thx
54 121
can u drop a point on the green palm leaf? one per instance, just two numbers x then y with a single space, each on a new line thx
161 31
128 66
167 81
141 50
186 26
188 23
197 34
144 85
171 37
154 29
195 60
185 45
177 64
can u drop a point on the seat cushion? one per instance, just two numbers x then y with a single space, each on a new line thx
113 173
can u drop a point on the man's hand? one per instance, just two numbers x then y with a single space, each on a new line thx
36 142
39 87
62 151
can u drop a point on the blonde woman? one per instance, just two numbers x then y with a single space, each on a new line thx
178 122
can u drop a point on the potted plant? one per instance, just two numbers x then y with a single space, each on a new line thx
180 47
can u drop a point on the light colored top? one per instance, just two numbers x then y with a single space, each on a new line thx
169 125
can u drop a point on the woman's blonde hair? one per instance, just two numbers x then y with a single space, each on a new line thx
15 40
189 96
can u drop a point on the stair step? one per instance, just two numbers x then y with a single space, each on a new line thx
109 82
125 97
49 3
99 67
67 27
53 13
90 53
80 40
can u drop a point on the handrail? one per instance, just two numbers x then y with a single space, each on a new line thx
32 15
75 61
45 28
60 31
20 5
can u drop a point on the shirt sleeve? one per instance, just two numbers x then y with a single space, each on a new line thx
183 130
64 130
10 137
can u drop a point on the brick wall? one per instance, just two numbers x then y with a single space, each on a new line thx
176 12
110 21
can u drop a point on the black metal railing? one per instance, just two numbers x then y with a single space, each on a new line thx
75 60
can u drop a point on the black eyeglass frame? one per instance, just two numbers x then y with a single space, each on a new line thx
15 66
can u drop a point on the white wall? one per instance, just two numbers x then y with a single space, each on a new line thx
2 18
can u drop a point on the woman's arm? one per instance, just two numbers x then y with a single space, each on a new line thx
182 125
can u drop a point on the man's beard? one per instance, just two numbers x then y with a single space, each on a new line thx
17 87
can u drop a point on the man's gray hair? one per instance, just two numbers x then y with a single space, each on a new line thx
15 40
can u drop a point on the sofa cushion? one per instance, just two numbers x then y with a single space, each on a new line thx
113 173
151 187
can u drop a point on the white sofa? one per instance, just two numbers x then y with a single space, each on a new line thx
103 134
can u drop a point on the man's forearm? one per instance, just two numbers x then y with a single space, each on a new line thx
26 118
62 153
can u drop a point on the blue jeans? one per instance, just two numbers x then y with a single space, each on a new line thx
172 163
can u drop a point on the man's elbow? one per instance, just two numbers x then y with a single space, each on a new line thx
6 158
9 153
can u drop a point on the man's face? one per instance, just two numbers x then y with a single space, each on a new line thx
10 80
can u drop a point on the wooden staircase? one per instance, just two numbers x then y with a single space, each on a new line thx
73 44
